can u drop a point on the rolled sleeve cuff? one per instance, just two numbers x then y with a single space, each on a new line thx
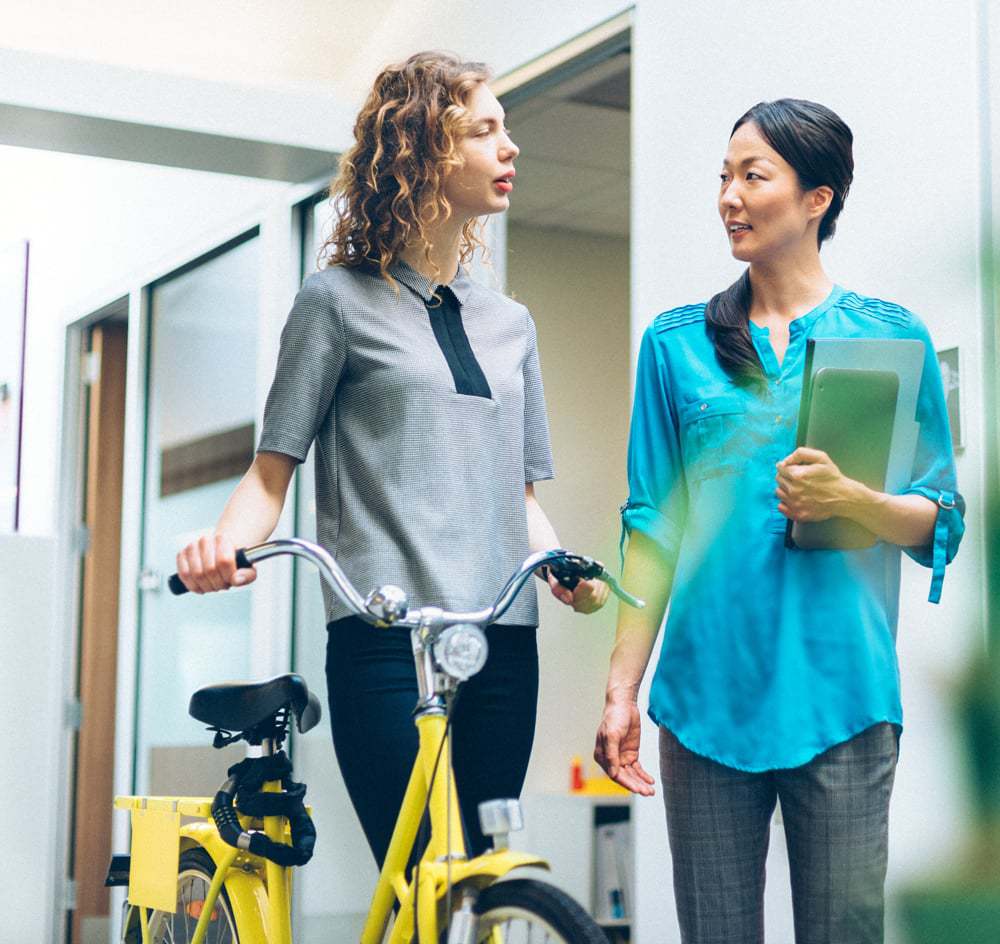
288 447
539 471
948 530
637 516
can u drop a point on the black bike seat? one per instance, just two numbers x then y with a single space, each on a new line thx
238 706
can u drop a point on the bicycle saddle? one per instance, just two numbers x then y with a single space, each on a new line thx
239 706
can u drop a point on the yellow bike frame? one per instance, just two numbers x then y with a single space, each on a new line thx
443 864
259 891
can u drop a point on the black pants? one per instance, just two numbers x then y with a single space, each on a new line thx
372 689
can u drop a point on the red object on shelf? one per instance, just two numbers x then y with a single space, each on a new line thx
576 783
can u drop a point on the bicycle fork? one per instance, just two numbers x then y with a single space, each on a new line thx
464 921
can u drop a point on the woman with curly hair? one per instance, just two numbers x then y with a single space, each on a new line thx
421 390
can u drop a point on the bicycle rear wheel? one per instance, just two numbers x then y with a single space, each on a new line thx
194 875
525 911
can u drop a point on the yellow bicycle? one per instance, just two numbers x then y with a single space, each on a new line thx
225 877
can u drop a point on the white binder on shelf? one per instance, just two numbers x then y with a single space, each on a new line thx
611 872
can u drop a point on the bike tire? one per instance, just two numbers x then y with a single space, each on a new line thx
194 874
527 910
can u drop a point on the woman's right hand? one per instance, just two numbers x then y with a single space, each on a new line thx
209 564
617 747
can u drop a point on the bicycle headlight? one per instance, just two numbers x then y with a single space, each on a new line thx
461 651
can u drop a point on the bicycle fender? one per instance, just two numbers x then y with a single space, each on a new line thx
246 890
482 870
478 873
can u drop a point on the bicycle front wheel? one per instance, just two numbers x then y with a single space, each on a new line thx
525 911
194 875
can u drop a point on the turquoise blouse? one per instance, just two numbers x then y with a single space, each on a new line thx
770 655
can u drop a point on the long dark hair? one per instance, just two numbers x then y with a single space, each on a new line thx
817 144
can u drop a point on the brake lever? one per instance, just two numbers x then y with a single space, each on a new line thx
619 591
573 568
587 569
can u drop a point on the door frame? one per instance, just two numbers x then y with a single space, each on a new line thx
562 62
96 692
70 548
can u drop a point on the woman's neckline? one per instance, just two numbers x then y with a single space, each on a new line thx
800 321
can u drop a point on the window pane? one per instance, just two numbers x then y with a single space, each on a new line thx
200 439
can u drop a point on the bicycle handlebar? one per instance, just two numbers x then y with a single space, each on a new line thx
176 585
566 566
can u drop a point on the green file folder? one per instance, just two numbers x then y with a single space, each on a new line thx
858 405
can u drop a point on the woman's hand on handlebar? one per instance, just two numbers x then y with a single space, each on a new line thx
587 597
209 564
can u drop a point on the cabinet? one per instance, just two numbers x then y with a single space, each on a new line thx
588 842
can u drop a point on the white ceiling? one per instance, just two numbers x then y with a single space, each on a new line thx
573 171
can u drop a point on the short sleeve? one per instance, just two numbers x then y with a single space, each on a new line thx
310 362
933 473
537 446
657 502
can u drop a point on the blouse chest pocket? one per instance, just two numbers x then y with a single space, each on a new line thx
712 436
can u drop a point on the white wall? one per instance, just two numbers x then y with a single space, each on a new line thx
902 74
989 27
576 286
32 776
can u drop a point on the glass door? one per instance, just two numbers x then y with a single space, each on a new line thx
199 441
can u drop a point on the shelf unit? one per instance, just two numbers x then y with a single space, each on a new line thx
562 828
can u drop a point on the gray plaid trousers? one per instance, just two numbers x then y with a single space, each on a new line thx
836 815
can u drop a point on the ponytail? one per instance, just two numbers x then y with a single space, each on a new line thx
727 321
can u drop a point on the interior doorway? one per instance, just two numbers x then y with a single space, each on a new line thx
568 255
93 709
568 260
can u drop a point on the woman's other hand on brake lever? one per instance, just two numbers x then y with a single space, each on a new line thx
587 597
209 564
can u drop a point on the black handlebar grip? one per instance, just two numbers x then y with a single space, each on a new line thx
572 569
569 582
177 587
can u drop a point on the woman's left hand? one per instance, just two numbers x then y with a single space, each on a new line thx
587 597
811 487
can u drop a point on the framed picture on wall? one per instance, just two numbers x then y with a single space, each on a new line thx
949 362
13 322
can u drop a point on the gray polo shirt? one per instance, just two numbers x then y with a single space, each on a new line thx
416 484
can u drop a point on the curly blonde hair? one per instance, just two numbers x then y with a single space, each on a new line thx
388 191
